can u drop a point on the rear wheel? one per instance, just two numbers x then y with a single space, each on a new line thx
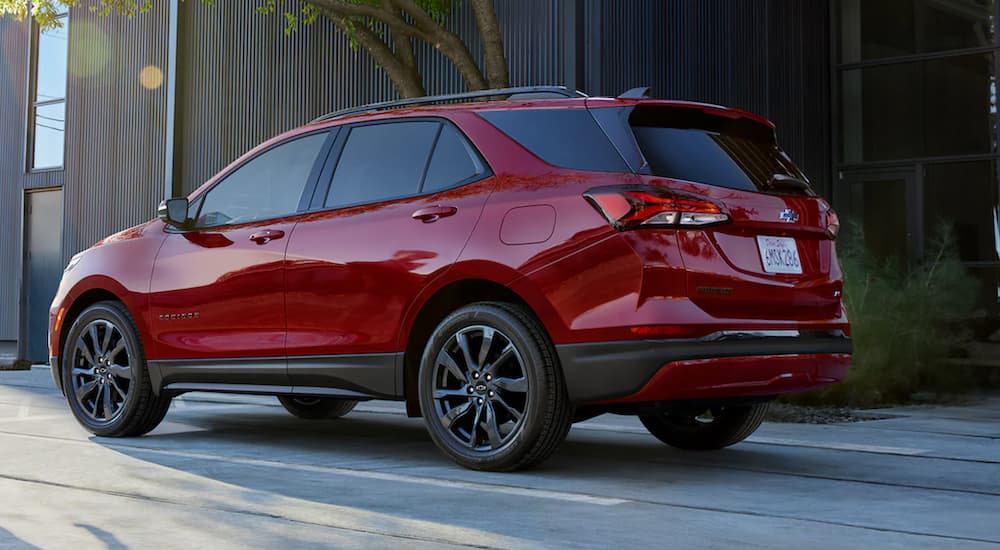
317 408
105 377
491 390
706 428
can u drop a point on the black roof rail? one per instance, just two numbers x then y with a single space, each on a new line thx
527 92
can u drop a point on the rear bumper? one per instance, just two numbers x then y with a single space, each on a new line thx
721 365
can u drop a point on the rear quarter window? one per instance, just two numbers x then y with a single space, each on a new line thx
567 138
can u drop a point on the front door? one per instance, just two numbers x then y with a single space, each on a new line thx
42 267
217 294
884 204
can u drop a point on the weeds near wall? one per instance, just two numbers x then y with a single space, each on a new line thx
906 321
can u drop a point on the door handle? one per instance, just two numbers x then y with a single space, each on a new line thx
267 235
434 213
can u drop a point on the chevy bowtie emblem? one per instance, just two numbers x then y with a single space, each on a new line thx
788 215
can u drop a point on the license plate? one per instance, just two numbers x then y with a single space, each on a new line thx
779 255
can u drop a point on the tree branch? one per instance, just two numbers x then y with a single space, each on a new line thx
406 79
402 43
447 42
391 18
489 31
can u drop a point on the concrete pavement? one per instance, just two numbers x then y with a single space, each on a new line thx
234 472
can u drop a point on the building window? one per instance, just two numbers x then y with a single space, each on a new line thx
919 143
47 118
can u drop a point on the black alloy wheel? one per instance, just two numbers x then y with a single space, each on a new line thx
491 390
104 374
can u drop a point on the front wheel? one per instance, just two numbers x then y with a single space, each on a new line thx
104 374
491 390
317 408
706 428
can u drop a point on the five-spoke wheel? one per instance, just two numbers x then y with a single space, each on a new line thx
491 392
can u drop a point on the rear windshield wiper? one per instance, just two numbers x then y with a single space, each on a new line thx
784 181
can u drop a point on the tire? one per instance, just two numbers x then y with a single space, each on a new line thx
501 409
695 429
316 408
105 375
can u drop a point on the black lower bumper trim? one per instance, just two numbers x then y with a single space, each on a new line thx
608 370
56 375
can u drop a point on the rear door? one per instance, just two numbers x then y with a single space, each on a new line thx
402 199
776 258
217 293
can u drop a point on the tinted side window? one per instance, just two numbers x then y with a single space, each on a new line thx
454 162
568 138
268 186
382 161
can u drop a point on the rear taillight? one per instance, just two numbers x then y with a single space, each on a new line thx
639 206
832 224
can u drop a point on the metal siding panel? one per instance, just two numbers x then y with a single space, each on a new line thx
115 127
769 57
241 80
234 93
13 85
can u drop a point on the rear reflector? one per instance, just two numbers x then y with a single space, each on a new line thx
638 206
832 224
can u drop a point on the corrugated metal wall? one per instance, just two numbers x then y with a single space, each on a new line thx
235 92
770 57
241 80
13 64
115 133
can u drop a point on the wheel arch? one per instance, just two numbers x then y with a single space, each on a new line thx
438 304
78 305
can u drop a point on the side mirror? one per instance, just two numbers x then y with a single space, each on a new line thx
174 212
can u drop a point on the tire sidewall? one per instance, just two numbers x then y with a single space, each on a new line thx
325 407
124 323
534 364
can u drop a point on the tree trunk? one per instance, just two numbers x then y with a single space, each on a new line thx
406 21
406 79
493 52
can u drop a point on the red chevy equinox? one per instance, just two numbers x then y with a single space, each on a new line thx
506 266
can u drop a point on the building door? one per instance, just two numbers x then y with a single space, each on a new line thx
884 204
42 268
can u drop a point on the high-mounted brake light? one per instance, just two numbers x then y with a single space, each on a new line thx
832 224
639 206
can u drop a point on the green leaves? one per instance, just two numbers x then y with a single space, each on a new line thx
387 29
45 12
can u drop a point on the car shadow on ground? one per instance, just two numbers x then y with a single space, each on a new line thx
250 450
389 441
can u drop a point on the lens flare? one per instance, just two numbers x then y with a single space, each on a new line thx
151 77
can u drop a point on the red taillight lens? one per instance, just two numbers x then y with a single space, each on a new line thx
832 224
638 206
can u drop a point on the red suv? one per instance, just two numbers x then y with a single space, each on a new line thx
505 267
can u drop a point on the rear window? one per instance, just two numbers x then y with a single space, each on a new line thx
567 138
688 144
382 161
